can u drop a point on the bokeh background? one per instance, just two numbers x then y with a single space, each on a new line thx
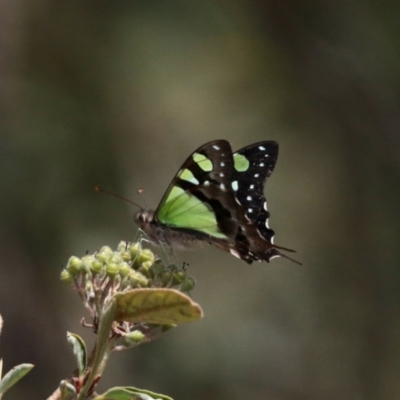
119 93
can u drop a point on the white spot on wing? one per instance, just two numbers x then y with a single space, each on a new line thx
215 147
265 206
221 174
234 253
222 164
262 164
256 175
266 223
206 183
262 148
266 155
222 186
250 210
251 187
235 185
249 198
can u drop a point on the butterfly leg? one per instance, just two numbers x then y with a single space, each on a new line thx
139 239
167 251
139 235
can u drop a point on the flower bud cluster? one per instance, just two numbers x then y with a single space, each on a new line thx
128 267
100 276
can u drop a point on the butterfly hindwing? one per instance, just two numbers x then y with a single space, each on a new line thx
253 165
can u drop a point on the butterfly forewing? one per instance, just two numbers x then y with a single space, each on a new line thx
194 199
187 211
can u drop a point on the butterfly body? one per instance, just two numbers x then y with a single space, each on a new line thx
217 198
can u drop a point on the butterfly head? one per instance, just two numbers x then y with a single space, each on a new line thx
143 218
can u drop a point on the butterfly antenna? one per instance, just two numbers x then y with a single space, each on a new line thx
284 255
99 189
140 192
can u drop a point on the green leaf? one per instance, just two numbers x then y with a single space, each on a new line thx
79 350
156 306
13 376
130 393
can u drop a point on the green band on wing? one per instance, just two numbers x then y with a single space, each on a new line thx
184 210
241 162
188 176
204 163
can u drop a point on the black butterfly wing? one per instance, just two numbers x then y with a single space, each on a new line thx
261 157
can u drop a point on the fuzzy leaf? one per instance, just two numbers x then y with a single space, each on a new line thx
13 376
130 393
156 306
79 350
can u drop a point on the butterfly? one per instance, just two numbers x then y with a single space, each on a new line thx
217 198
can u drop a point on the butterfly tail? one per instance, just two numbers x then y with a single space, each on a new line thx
274 252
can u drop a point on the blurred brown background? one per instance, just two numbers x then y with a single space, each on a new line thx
119 93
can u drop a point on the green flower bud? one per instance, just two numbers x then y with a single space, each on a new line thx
89 287
74 265
87 262
106 249
122 246
135 336
135 249
126 256
124 269
145 268
104 254
146 255
66 276
187 285
165 277
137 279
96 267
112 269
116 259
178 277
